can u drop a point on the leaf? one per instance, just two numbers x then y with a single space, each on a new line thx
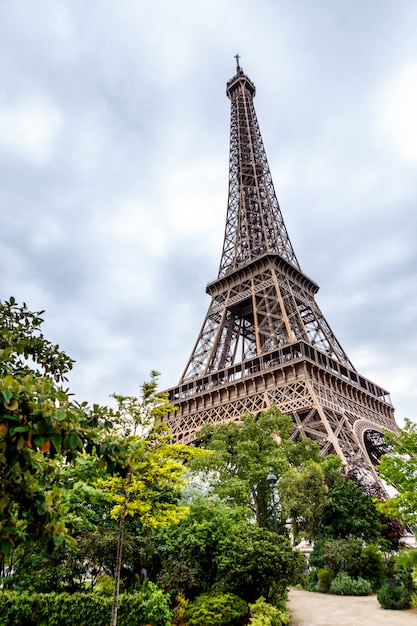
19 429
45 446
57 442
7 395
5 547
74 441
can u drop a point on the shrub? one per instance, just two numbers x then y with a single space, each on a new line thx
324 577
264 614
371 566
181 604
344 585
215 609
149 605
393 596
310 581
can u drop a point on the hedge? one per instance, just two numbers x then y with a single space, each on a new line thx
147 606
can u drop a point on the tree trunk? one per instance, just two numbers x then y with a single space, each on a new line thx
117 571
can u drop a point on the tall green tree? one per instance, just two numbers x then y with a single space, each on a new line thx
149 473
350 512
399 468
242 453
41 429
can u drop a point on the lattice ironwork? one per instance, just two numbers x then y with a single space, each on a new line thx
264 339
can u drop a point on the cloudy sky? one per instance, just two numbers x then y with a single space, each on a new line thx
114 133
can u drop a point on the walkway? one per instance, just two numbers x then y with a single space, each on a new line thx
319 609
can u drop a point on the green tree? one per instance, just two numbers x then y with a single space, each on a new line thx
242 453
398 467
41 429
149 471
215 547
304 493
350 512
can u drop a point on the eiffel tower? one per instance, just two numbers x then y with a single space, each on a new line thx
264 339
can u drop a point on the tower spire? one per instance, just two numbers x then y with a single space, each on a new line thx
254 223
264 339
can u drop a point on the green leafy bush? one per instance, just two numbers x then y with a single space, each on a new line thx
324 577
310 581
147 606
215 609
264 614
345 585
394 596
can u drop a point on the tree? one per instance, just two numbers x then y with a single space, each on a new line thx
241 454
149 470
350 512
215 547
41 429
304 494
398 467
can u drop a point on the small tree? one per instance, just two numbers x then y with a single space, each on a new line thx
149 469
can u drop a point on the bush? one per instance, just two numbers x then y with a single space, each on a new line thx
310 581
324 577
181 604
147 606
371 566
264 614
344 585
215 609
393 596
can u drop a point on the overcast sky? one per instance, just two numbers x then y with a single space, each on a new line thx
114 139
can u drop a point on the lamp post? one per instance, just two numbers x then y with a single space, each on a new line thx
272 482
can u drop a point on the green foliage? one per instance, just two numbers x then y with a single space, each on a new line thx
337 554
147 606
215 609
181 605
41 428
352 557
254 562
185 554
304 493
394 596
372 565
399 468
242 452
345 585
324 578
264 614
149 471
350 512
310 580
215 547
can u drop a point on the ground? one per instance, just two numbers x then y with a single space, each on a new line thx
318 609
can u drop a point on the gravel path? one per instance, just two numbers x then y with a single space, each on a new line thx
318 609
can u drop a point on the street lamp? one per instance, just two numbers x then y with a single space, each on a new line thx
272 480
